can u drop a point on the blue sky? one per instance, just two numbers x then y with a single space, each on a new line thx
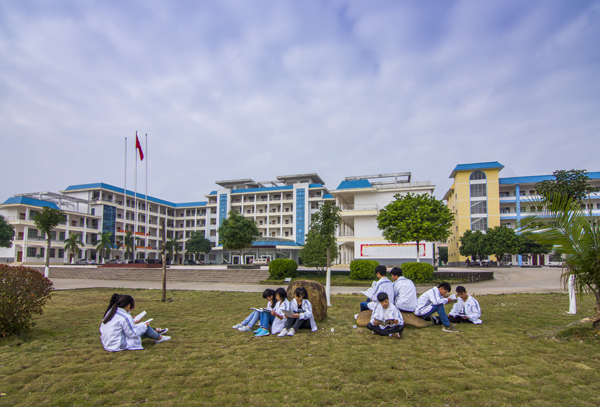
256 89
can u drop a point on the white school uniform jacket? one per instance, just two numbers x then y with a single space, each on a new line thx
279 324
428 299
469 309
406 294
121 333
306 314
384 314
384 285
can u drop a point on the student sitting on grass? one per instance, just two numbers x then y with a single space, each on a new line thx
386 319
119 332
115 298
302 317
247 324
278 322
466 308
384 285
405 292
433 301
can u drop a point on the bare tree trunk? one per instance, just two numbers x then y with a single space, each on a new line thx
47 267
418 258
328 282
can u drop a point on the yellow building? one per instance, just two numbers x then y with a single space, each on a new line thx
474 199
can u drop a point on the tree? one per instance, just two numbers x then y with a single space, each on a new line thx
237 232
72 244
128 242
502 240
474 244
105 245
443 251
46 221
528 247
314 252
573 184
172 246
7 233
415 218
325 223
572 232
197 244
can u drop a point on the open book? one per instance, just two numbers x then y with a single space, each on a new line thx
383 324
371 291
261 309
139 317
291 313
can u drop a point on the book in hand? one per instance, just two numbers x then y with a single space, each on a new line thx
145 322
261 309
386 323
139 316
370 292
290 314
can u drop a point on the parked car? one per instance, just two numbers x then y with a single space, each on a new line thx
113 261
260 262
154 261
190 263
85 261
138 261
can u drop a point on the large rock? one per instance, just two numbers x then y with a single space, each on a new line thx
409 318
316 296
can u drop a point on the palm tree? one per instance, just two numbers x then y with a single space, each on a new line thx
172 246
72 244
105 245
128 242
576 234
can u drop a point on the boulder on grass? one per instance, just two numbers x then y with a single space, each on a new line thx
316 296
409 318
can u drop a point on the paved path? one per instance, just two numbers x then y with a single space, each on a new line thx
507 281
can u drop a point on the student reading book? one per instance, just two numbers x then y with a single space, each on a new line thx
256 314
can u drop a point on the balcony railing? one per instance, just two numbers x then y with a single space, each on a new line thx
359 207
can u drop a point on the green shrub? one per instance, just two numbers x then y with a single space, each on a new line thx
363 269
23 292
282 268
419 273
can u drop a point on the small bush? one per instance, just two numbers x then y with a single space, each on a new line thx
363 269
23 292
282 268
419 273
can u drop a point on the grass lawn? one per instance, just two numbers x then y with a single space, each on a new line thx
62 363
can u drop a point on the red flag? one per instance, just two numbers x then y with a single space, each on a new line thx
138 146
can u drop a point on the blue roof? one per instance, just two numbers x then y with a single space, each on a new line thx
132 193
328 196
538 178
264 189
354 184
275 243
30 201
476 166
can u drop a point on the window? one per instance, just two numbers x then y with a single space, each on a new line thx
61 253
52 253
31 252
478 207
555 257
93 211
478 190
61 236
477 175
32 234
504 194
42 252
479 224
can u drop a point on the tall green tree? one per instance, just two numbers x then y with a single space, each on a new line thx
528 247
474 244
501 241
237 232
415 218
573 184
129 242
314 252
572 232
443 251
197 244
72 244
325 224
46 221
104 245
7 233
172 246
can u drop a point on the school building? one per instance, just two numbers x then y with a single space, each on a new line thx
481 199
282 209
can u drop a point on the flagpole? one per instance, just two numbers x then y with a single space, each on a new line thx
146 205
135 199
125 200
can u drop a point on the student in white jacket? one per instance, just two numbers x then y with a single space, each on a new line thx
383 285
303 317
433 301
119 332
386 319
466 309
405 291
282 304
